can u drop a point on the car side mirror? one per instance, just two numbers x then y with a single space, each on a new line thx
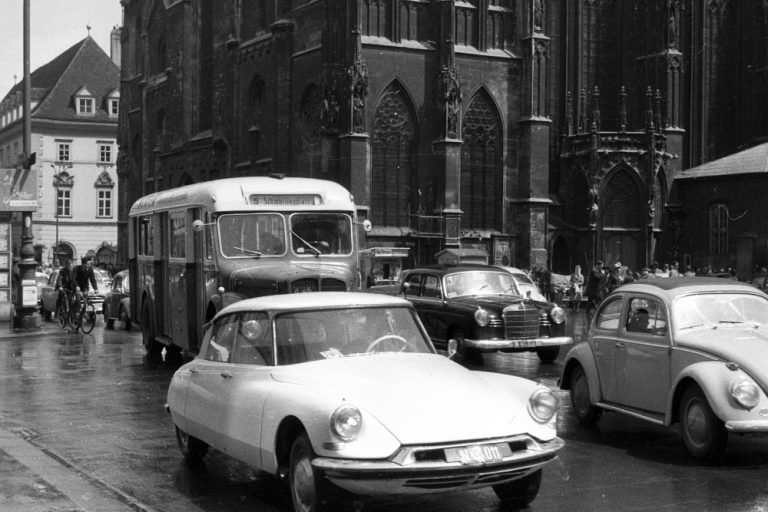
452 348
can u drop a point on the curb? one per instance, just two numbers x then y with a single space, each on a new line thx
85 491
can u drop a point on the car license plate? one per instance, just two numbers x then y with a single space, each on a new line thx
477 454
524 343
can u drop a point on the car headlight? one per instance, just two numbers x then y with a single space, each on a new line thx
745 392
557 314
542 405
482 317
346 422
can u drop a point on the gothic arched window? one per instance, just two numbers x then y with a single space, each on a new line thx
622 202
394 159
481 168
718 229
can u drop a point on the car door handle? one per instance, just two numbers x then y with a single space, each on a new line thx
226 375
621 346
194 371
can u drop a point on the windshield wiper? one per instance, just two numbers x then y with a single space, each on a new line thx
247 251
309 245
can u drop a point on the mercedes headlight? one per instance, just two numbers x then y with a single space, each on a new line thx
482 317
745 392
558 315
346 422
542 405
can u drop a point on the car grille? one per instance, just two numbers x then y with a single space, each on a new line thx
521 324
313 285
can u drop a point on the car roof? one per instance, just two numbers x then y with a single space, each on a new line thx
294 301
457 268
675 286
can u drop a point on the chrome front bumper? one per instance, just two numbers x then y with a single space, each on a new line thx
532 344
429 468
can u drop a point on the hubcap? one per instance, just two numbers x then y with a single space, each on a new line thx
304 484
696 423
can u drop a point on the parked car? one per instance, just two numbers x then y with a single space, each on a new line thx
482 309
342 392
760 281
689 350
525 284
48 294
117 302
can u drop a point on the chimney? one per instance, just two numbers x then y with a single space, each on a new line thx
114 45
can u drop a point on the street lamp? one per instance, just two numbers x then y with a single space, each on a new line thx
59 168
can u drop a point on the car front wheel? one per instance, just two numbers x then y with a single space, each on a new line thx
309 493
519 493
191 447
704 434
586 413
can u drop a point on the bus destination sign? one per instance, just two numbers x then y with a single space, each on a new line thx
285 199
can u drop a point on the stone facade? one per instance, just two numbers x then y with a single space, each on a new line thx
514 126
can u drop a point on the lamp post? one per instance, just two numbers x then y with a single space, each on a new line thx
59 168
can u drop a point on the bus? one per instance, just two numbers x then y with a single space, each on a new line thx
198 248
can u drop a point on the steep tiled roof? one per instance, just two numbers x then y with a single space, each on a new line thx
84 65
750 161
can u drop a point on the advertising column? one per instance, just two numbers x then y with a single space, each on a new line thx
6 263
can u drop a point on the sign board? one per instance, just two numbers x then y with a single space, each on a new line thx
18 190
29 296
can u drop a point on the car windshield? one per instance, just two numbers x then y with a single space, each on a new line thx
716 310
479 282
328 334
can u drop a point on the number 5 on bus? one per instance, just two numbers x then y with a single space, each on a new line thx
198 248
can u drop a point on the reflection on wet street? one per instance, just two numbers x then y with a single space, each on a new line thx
92 401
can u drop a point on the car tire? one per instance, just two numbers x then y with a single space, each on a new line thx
585 412
548 354
109 322
521 492
192 448
463 354
310 492
124 319
704 434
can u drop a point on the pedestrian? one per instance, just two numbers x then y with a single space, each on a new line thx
675 270
689 271
614 278
577 284
595 286
65 283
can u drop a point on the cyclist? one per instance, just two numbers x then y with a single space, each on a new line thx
83 274
65 284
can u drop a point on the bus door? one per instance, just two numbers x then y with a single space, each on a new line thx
175 289
200 267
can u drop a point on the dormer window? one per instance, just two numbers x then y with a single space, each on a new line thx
84 103
113 103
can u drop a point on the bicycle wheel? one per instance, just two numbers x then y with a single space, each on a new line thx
74 314
87 317
62 312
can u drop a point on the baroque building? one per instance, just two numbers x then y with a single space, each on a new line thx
74 116
543 132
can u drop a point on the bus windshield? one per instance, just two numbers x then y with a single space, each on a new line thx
246 235
321 233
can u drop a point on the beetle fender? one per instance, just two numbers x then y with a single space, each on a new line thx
714 379
581 355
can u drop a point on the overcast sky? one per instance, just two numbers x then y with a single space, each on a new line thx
55 25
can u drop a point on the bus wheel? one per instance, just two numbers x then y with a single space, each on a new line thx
153 348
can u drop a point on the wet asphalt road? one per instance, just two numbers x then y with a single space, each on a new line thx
91 401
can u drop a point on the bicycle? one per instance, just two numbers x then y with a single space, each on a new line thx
87 313
63 307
